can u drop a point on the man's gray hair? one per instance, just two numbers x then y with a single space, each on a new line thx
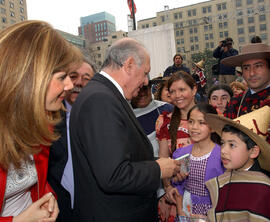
119 52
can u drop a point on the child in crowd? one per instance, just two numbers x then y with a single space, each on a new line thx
191 195
219 96
238 88
242 193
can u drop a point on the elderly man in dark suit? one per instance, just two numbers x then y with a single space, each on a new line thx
116 177
60 172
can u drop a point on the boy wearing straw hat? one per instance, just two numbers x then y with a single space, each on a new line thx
242 193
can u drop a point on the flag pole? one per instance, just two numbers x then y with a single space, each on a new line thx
133 13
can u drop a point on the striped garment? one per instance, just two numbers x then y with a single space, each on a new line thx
243 197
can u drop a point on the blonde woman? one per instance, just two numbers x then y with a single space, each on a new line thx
34 67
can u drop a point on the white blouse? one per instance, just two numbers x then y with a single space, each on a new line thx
17 194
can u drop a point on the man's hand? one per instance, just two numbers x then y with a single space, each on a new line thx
168 167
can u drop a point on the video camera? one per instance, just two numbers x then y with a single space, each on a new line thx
226 42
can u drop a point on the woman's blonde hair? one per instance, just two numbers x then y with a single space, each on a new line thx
31 52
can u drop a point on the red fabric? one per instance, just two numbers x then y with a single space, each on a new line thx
130 7
202 78
245 196
38 190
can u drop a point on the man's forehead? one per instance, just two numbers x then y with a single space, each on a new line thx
254 61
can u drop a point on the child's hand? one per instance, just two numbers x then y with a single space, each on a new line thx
172 195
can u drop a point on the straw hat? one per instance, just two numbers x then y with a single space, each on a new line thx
200 64
254 124
251 51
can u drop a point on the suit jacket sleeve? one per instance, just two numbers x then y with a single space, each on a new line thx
120 161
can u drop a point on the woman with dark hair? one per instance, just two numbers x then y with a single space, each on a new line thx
171 128
162 93
219 96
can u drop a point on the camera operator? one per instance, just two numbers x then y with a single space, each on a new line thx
224 50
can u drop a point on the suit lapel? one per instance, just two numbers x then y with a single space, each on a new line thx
125 104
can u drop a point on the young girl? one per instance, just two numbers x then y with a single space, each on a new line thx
204 164
172 132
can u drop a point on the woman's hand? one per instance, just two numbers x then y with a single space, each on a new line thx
43 210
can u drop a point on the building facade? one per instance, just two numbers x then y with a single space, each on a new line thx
12 11
201 26
96 27
98 49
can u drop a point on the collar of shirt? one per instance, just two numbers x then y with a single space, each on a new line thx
252 91
68 108
106 75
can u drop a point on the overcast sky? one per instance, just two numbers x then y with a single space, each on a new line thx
65 14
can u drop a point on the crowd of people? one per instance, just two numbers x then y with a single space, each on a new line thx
79 144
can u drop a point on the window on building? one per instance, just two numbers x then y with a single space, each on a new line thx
264 36
143 26
205 28
191 31
178 41
163 18
238 3
192 48
22 18
225 16
146 25
191 39
219 7
21 2
212 45
2 2
189 13
177 33
175 16
260 1
207 45
241 39
197 47
195 30
182 41
3 11
194 12
239 12
181 32
180 24
249 2
196 38
250 11
224 6
11 4
221 34
22 10
189 22
240 31
226 34
194 21
262 27
225 25
206 37
261 18
210 27
204 10
211 36
178 49
154 24
4 20
114 37
220 25
251 29
261 8
240 21
180 14
12 14
250 20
